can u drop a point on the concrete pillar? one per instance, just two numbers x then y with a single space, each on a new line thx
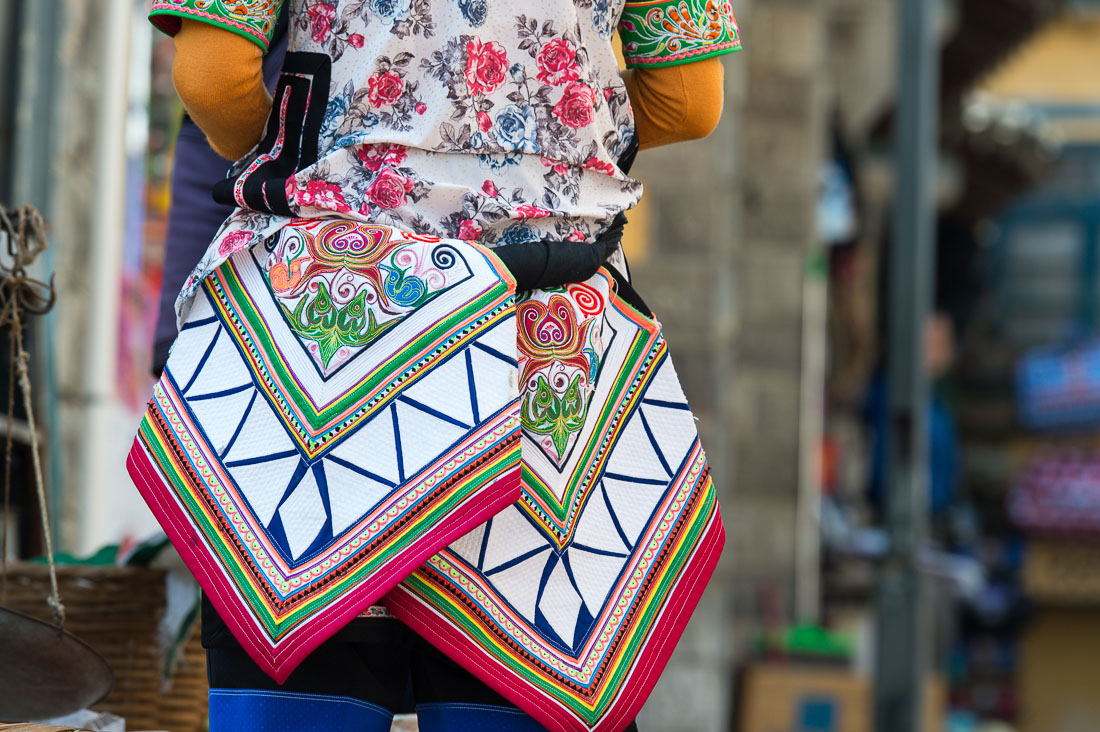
732 221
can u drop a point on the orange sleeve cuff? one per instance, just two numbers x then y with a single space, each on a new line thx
675 103
219 78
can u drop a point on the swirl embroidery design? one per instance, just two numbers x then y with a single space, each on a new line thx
341 285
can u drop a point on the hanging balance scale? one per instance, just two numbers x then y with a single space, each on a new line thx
45 672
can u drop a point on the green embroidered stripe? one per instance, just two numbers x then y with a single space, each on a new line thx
671 32
256 22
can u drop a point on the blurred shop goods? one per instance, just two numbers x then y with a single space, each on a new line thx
805 643
1064 573
777 698
806 698
1058 387
1058 494
1056 503
992 151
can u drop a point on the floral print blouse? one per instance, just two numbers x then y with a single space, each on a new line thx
497 121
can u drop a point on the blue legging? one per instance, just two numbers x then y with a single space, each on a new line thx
257 710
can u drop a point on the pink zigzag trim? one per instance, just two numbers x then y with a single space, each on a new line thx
683 54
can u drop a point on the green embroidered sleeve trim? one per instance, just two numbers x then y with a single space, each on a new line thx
671 32
253 19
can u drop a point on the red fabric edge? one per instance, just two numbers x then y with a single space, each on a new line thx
650 663
279 664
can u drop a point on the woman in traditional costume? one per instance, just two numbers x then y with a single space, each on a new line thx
413 381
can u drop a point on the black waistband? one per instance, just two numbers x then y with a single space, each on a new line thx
542 264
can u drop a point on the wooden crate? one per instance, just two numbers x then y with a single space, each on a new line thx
1063 572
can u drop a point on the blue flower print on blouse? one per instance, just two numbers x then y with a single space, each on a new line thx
475 11
335 112
601 18
626 136
518 128
393 9
518 234
497 163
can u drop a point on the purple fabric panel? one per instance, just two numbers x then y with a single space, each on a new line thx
194 216
193 220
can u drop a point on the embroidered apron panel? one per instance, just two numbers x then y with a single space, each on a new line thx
570 601
341 402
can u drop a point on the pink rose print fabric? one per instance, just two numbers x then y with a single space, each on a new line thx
389 189
384 88
486 65
577 106
557 62
498 122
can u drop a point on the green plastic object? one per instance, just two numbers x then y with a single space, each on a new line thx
105 557
807 641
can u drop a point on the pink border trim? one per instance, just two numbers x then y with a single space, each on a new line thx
278 662
651 660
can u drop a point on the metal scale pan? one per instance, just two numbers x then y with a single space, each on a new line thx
46 672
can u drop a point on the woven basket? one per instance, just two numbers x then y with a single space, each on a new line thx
183 706
116 610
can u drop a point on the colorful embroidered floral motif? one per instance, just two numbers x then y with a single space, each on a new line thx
253 19
341 285
669 32
559 356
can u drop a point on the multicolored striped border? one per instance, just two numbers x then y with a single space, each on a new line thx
280 612
442 605
222 582
603 687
